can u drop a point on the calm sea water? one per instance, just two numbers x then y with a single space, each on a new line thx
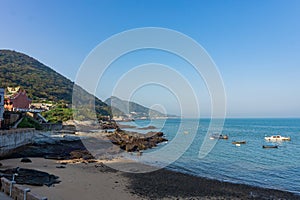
250 163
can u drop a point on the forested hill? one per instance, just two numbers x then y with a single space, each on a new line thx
40 81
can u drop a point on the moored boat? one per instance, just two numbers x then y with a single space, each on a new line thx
275 138
224 137
239 142
270 146
217 136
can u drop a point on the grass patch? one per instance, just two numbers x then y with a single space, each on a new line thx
28 122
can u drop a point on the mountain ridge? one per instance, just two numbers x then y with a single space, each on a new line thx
132 109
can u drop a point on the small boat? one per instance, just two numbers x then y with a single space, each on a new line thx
270 146
276 138
239 142
217 136
224 137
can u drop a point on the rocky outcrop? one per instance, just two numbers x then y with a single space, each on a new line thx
30 176
108 125
58 150
84 154
132 141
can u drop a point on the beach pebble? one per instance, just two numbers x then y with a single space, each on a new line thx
61 167
26 160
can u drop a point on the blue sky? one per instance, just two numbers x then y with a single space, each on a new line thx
255 44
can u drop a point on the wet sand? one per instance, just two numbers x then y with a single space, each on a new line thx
93 181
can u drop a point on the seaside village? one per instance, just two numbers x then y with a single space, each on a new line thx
15 104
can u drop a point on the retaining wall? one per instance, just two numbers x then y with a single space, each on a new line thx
14 138
18 192
51 126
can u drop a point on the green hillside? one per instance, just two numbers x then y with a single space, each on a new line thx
40 81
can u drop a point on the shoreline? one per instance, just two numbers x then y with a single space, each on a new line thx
82 175
98 181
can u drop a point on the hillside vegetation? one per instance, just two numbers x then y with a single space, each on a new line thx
40 81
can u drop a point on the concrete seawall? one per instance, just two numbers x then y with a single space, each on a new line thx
18 192
11 139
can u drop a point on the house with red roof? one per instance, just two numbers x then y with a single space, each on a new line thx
18 100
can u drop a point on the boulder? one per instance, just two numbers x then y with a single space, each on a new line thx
26 160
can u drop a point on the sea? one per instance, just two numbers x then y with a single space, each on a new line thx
276 168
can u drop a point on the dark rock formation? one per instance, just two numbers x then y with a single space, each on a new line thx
84 154
26 160
58 150
108 125
30 176
132 141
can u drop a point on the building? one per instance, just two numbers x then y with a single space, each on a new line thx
16 105
1 105
20 100
17 100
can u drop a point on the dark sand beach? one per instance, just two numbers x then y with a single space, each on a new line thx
168 184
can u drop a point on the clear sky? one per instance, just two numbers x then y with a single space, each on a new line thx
255 44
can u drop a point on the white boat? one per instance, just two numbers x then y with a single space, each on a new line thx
275 138
217 136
